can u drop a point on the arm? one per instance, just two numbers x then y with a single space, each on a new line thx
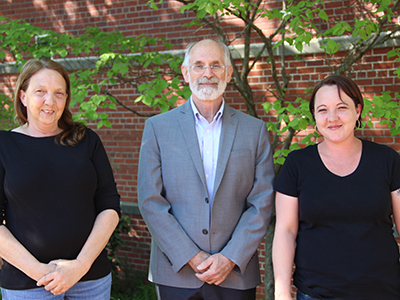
165 230
17 255
253 222
396 208
283 249
68 272
11 249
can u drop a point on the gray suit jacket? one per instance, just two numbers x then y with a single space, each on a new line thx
174 202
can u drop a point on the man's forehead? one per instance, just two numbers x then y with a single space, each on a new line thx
207 51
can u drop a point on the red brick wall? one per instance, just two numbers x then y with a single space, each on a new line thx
374 74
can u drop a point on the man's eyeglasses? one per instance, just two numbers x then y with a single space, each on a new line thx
200 69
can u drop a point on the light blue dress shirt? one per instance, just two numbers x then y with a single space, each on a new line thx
208 135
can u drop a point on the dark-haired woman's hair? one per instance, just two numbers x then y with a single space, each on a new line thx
72 132
343 83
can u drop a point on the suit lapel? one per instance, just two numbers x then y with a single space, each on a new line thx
228 132
186 122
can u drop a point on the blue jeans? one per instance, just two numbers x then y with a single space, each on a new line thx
99 289
301 296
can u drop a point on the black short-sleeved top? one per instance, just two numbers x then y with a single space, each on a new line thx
50 196
345 245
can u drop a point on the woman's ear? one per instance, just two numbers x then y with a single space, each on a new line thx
22 97
358 109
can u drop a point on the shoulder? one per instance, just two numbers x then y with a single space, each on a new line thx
171 114
91 139
302 159
4 136
243 117
4 133
378 149
91 133
307 152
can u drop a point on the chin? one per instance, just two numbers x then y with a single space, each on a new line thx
207 96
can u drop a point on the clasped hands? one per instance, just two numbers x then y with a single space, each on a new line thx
213 269
60 275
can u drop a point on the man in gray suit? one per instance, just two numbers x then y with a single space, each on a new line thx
205 187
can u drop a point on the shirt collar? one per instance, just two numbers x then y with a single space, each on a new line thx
197 114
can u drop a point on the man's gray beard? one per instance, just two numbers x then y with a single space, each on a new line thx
207 92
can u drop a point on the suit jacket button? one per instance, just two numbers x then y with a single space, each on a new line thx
207 201
205 232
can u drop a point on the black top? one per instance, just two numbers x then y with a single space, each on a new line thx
345 245
50 196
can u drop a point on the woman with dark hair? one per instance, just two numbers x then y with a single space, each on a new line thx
334 207
58 198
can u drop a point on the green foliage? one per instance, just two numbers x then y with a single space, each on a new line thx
6 113
301 21
115 243
388 111
133 285
99 62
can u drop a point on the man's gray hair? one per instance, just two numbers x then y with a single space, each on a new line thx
224 47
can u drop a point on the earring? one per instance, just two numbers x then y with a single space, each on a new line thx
358 124
316 128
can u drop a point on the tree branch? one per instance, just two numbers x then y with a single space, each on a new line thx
106 92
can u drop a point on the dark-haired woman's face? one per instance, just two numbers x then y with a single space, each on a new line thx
335 116
45 99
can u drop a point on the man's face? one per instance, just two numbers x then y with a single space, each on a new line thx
207 75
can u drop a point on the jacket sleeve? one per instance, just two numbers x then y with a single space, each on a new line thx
166 231
254 221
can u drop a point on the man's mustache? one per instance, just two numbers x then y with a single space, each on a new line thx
208 80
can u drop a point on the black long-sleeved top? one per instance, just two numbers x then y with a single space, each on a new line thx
50 196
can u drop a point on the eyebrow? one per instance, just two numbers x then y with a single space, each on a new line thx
201 62
341 103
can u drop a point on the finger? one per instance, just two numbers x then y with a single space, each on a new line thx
55 262
45 280
205 265
208 276
57 291
220 279
203 277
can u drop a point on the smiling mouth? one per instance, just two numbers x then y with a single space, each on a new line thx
48 112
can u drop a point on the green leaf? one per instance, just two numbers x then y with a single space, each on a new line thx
96 88
323 15
362 34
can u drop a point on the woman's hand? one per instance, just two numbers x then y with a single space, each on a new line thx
66 273
42 270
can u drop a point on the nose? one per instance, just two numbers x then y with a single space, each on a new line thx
208 72
332 115
50 98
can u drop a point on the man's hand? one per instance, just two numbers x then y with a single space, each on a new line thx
197 260
65 275
215 269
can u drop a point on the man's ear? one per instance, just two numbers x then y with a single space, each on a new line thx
229 72
185 73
